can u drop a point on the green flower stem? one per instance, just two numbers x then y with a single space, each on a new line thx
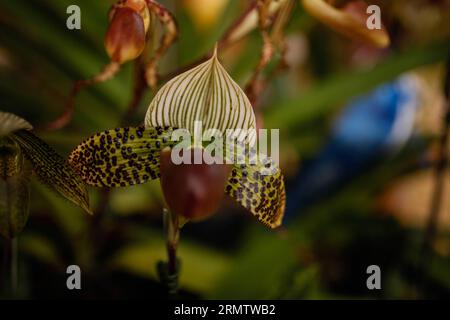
173 236
169 271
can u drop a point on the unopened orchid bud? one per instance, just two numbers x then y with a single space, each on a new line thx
350 20
193 191
138 6
125 38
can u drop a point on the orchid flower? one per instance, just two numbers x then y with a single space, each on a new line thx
207 94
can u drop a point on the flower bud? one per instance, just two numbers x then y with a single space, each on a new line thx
125 38
192 190
138 6
350 20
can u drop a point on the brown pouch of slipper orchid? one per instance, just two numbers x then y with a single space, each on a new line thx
193 191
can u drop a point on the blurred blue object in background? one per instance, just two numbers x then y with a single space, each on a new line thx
370 127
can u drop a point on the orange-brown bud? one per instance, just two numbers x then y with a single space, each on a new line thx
193 190
125 38
138 6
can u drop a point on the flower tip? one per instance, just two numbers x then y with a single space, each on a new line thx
83 201
215 50
88 210
280 214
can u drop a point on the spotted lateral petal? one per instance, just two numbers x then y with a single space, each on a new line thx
52 169
205 93
259 187
10 123
121 157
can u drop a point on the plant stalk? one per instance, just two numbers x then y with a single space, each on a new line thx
169 271
173 236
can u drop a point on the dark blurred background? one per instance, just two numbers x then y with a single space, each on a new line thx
359 132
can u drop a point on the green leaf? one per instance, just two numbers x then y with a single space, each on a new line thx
259 191
121 157
205 93
52 169
10 123
15 175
